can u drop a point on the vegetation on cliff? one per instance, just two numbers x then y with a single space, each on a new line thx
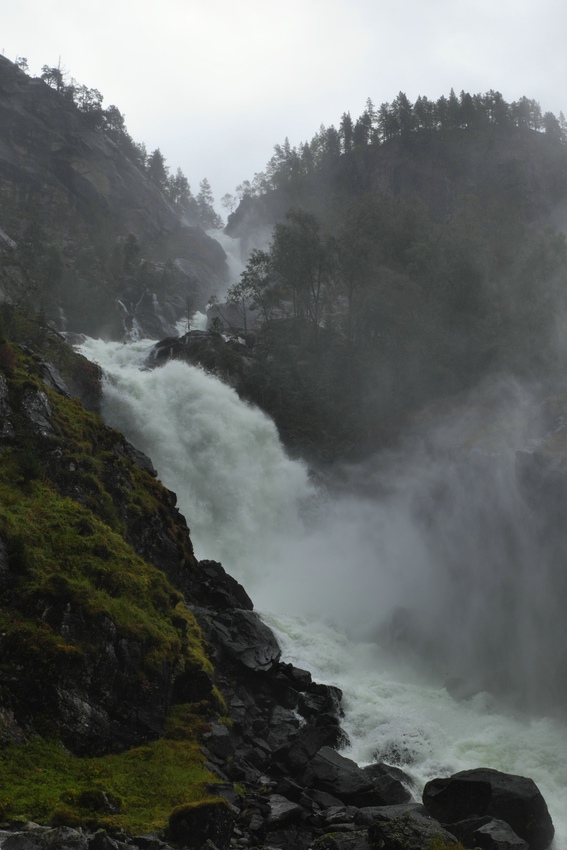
94 231
296 169
98 650
361 322
405 264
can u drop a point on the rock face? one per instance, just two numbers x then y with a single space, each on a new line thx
100 677
512 799
193 826
70 193
408 831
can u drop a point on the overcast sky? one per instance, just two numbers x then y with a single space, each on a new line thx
215 84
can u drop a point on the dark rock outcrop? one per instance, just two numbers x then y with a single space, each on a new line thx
412 831
488 834
515 800
330 772
192 826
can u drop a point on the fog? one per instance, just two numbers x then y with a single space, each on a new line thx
215 86
431 550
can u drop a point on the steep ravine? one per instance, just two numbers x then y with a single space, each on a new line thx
197 444
120 651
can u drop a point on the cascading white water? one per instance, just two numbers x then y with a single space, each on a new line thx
234 258
326 573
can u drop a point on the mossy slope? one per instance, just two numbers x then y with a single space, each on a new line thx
104 678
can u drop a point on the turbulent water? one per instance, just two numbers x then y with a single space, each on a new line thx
412 571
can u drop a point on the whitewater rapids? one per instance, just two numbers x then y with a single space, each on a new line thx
317 569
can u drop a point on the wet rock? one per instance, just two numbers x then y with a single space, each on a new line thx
297 754
298 678
328 771
323 800
102 841
125 449
368 814
37 409
487 834
51 377
246 640
357 840
218 741
389 783
192 825
513 799
66 838
282 812
320 699
215 587
23 841
7 431
411 831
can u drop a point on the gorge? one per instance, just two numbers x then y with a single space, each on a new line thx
366 433
416 569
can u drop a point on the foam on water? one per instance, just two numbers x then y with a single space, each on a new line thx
392 716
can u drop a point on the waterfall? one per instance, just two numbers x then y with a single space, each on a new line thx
235 258
412 571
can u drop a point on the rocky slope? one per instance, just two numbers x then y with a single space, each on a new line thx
83 233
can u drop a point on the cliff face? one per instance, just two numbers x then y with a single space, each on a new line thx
51 158
84 231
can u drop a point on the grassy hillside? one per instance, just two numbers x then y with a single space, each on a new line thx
99 654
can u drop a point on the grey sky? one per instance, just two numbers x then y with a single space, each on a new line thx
216 83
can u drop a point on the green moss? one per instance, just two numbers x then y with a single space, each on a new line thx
440 843
135 790
66 554
71 551
68 502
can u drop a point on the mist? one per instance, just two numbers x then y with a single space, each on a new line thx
436 553
430 551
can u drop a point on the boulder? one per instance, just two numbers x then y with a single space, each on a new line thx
37 409
487 834
320 699
298 752
218 741
343 841
343 778
215 587
389 783
483 791
66 838
411 831
246 640
24 841
282 812
191 825
368 814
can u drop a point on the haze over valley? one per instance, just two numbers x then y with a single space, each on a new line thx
283 559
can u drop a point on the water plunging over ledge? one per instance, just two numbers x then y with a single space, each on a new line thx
326 573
